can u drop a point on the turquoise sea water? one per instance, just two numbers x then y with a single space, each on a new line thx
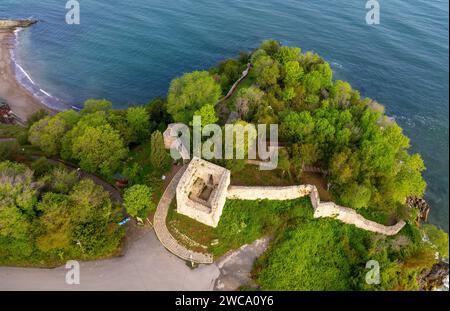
128 51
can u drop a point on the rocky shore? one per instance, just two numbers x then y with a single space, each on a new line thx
10 24
435 278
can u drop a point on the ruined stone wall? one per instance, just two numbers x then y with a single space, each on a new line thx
269 193
321 209
351 217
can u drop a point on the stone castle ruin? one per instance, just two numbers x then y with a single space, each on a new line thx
202 191
204 187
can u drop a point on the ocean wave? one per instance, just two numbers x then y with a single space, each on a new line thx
336 65
28 83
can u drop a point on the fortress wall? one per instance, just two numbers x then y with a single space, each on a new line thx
351 217
325 209
269 193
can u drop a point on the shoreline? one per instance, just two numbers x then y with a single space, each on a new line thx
21 101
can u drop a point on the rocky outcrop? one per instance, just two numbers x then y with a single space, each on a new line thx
10 23
421 205
434 278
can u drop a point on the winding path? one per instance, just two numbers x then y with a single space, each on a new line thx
163 234
113 192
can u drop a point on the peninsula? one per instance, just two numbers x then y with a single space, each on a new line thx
86 185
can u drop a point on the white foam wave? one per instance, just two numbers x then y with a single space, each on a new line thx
48 94
25 73
336 65
28 83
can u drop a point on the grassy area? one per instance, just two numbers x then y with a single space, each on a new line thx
251 175
12 131
189 232
242 222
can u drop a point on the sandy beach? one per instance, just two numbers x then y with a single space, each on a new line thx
20 100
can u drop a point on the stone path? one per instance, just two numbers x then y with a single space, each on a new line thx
163 234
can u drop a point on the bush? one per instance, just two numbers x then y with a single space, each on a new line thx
41 167
8 150
138 200
438 238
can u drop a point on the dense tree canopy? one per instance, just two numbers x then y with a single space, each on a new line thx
139 122
54 218
48 132
327 123
190 93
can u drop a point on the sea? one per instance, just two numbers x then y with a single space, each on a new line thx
129 51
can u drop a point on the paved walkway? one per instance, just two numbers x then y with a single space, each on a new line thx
163 233
147 265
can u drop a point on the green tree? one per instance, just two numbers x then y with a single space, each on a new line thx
41 167
230 71
344 167
61 180
17 200
99 149
341 93
95 105
313 82
138 200
54 223
118 120
267 71
47 133
271 47
90 202
356 196
293 73
191 92
288 54
40 114
208 115
256 55
138 120
95 119
297 126
158 155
